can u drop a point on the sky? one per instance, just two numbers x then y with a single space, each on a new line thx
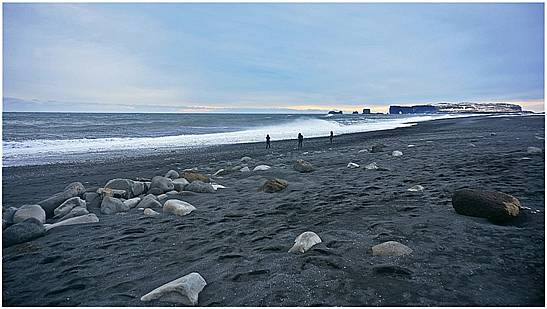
185 57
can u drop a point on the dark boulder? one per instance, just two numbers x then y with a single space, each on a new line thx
274 185
22 232
495 206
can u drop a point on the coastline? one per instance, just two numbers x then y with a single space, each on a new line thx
238 237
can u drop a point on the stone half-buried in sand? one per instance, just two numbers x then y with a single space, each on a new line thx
184 290
303 166
179 208
274 185
89 218
495 206
391 248
304 242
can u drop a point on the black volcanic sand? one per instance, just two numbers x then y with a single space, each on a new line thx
238 238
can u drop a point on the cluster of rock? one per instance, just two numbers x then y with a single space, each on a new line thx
73 204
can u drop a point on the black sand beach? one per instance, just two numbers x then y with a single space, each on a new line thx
238 238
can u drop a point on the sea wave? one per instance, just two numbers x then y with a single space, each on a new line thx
15 152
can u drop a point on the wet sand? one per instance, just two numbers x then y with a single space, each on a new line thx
238 238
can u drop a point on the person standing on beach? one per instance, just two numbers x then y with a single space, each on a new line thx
331 136
268 141
300 140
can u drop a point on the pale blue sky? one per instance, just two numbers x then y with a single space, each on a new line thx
248 57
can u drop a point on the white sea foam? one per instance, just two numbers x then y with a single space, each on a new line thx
15 152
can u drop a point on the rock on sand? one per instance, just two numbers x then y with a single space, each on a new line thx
495 206
371 166
192 176
162 184
23 231
397 153
112 205
68 205
89 218
534 150
274 185
353 165
303 166
131 203
172 174
304 242
149 201
148 212
29 211
200 187
391 248
261 168
180 184
184 290
416 188
177 207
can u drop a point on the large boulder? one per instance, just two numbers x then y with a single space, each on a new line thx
180 183
391 248
67 206
72 190
495 206
29 211
274 185
149 201
303 166
172 174
164 184
304 242
192 176
184 290
112 205
22 232
179 208
89 218
200 187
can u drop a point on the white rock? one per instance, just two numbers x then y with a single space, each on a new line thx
132 202
472 145
362 150
216 186
245 169
140 208
410 146
89 218
218 172
397 153
371 166
416 188
151 213
525 158
534 150
184 290
391 248
304 242
539 137
29 211
353 165
261 168
246 159
179 208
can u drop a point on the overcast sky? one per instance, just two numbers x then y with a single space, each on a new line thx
269 57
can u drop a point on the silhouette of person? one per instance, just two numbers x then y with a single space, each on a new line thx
268 145
300 140
331 136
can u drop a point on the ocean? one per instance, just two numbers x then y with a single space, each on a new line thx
45 138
